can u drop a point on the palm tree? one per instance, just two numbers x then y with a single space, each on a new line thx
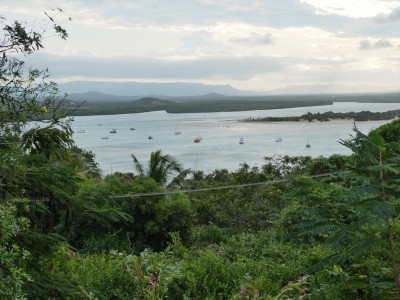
162 167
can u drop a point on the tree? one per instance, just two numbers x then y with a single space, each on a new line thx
163 169
25 93
12 274
26 96
360 224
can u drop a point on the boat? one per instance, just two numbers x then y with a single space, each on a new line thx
197 140
308 145
241 141
113 130
178 132
81 131
278 139
150 137
133 128
105 138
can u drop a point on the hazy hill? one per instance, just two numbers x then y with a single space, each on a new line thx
177 89
98 97
151 101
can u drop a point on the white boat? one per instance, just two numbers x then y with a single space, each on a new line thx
113 130
81 131
241 141
278 139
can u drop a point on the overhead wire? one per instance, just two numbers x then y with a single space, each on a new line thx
220 187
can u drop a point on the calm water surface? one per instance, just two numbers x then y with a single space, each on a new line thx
220 134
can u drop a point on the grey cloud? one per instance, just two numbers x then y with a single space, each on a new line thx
236 68
255 39
365 45
394 16
158 70
277 14
280 13
116 67
380 44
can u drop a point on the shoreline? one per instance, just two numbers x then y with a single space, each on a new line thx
333 121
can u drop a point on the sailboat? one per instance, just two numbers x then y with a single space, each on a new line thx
308 143
241 141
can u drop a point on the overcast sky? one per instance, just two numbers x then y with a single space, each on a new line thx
332 45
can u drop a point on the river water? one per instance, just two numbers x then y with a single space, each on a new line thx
220 132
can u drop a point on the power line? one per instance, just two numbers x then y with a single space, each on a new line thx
221 187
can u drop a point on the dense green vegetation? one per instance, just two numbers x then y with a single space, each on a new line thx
218 103
68 233
327 116
194 106
295 228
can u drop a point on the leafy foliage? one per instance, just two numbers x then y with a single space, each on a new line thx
161 168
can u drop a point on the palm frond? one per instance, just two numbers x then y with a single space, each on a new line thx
138 166
177 180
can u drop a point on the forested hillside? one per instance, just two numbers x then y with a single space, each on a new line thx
295 228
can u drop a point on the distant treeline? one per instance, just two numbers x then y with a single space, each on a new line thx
199 106
327 116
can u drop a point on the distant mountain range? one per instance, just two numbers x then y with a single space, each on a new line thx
179 92
136 90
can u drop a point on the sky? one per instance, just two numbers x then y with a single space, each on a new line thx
256 45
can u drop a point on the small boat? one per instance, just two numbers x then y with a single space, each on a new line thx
241 141
197 139
81 131
278 139
133 128
178 132
105 138
150 137
113 130
308 145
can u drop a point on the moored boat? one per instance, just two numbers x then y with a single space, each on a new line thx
197 139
